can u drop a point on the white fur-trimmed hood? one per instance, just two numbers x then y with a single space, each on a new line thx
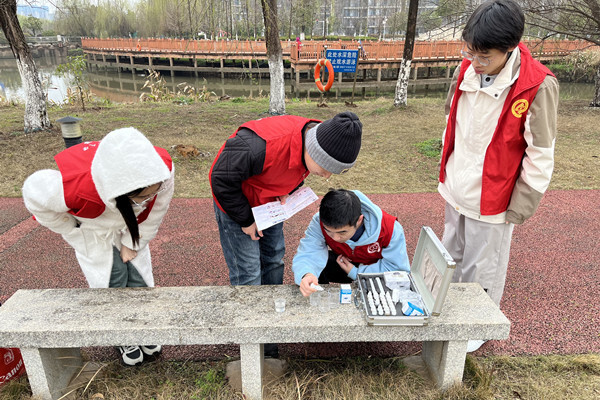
126 161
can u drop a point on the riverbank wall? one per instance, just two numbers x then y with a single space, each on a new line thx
39 50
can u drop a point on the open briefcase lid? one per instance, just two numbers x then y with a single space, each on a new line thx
432 269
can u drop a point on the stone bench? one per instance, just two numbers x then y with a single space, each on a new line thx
51 325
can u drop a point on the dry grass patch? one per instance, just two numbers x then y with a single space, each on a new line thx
158 381
500 378
388 153
577 162
390 160
551 377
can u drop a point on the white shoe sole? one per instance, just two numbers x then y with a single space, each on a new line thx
474 345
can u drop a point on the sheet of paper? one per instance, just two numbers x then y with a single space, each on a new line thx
272 213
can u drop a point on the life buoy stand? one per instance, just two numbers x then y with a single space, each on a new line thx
324 62
139 46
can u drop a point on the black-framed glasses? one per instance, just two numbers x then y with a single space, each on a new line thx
147 197
484 61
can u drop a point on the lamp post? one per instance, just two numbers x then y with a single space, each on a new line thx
384 21
71 131
323 27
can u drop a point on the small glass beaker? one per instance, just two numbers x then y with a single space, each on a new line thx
334 298
314 299
323 300
279 304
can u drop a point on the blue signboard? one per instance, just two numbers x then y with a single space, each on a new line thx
342 60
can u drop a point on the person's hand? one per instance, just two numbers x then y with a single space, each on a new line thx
251 231
283 198
345 263
127 254
305 283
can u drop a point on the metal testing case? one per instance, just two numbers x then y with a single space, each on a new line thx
430 275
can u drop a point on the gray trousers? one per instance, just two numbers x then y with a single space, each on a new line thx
481 251
124 274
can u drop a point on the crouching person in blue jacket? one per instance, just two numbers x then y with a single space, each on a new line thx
349 235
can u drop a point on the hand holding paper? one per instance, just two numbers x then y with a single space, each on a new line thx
272 213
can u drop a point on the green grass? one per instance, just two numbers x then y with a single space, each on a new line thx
430 148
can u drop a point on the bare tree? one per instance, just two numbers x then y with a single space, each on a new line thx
274 54
174 17
190 17
255 20
454 13
305 13
36 116
401 95
576 19
76 17
291 19
246 13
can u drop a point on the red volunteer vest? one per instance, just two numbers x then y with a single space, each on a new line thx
284 168
503 157
75 165
369 253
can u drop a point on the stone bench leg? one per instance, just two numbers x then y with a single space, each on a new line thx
445 361
50 370
251 360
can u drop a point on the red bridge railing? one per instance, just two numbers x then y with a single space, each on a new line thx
311 50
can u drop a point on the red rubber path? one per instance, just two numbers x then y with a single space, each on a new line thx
552 294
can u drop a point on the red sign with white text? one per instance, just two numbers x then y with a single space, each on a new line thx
11 364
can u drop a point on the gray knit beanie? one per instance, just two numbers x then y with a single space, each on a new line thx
334 144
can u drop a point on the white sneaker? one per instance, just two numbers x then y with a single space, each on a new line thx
153 350
474 345
131 355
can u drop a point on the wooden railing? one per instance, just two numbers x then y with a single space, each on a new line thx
310 50
179 46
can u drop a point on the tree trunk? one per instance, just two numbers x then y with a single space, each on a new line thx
596 101
36 116
247 21
192 30
291 19
81 97
401 95
274 53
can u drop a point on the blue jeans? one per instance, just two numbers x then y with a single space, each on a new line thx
251 262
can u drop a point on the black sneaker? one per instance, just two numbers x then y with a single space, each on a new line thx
151 352
131 355
271 350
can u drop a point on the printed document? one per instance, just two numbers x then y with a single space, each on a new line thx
274 212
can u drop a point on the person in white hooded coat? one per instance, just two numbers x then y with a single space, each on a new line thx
107 200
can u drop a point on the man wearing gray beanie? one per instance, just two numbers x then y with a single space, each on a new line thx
265 160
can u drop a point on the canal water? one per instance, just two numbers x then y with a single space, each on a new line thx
127 87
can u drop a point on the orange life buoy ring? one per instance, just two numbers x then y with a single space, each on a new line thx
139 46
330 78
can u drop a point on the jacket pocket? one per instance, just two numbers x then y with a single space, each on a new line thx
76 238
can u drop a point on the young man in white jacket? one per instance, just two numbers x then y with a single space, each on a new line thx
498 152
107 199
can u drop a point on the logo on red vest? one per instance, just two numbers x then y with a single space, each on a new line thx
520 107
9 356
374 248
88 145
